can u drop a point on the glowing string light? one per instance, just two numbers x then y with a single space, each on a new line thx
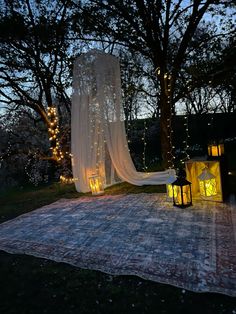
67 180
186 145
171 157
53 131
144 145
128 134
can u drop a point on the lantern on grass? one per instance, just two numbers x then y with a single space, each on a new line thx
215 150
182 195
96 184
207 183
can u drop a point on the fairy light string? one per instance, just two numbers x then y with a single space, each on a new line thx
53 131
211 125
129 134
186 141
30 166
4 155
97 142
128 130
171 157
67 180
167 84
144 145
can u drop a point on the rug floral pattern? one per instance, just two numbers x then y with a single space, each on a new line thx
135 234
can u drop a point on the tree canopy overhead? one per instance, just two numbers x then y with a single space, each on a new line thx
166 32
33 53
160 30
177 42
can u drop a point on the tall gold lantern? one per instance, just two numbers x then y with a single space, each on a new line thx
96 184
206 179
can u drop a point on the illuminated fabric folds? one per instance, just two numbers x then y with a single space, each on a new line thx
98 139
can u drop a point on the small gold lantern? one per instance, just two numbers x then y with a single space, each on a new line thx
96 184
182 195
207 184
215 150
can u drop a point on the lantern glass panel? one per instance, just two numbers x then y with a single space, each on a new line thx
169 186
96 185
208 187
215 150
221 149
207 183
182 195
171 190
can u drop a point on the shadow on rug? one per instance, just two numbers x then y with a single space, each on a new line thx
135 234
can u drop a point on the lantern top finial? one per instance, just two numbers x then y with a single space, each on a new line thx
181 173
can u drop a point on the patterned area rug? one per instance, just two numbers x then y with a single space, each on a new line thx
136 234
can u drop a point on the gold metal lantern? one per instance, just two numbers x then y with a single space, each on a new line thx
96 184
207 183
205 176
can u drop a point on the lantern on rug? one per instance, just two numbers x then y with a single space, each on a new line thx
207 183
96 184
182 195
211 177
215 150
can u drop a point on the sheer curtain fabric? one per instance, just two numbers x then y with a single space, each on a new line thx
98 139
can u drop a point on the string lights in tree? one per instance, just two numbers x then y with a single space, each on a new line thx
9 150
186 145
36 168
144 145
167 84
6 154
211 126
97 146
96 127
66 180
128 134
128 129
53 131
171 157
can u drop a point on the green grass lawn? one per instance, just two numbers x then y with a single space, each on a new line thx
35 285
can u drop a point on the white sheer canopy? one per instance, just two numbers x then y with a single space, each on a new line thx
98 139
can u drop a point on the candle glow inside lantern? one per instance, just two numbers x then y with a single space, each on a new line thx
215 150
96 185
169 188
207 183
182 195
205 176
